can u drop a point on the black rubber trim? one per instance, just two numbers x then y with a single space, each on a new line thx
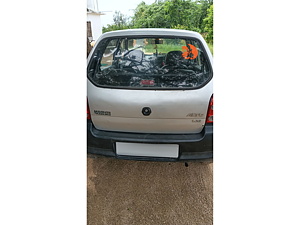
149 138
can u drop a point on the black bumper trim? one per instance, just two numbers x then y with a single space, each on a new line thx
191 146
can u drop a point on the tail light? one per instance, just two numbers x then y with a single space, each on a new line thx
210 111
88 110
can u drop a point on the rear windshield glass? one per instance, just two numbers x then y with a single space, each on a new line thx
149 63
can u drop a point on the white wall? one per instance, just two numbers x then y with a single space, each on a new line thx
95 24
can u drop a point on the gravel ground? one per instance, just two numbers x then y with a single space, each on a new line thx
137 192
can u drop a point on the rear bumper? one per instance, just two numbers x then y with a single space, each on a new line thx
191 146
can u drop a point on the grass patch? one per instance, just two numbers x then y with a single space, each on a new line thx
163 48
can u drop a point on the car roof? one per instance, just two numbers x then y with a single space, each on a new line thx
151 31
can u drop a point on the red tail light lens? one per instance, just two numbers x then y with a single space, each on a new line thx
88 110
210 111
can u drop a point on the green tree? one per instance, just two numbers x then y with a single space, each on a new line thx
181 12
149 16
203 6
208 25
121 22
187 14
195 15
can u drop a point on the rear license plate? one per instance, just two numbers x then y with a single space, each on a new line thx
148 150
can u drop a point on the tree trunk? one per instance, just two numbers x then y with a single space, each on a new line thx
89 47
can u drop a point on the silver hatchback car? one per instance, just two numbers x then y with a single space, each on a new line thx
150 96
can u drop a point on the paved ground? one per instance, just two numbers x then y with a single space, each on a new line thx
135 192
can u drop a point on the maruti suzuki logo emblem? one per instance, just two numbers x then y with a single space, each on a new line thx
146 111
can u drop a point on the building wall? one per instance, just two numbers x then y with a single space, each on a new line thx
95 25
93 5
